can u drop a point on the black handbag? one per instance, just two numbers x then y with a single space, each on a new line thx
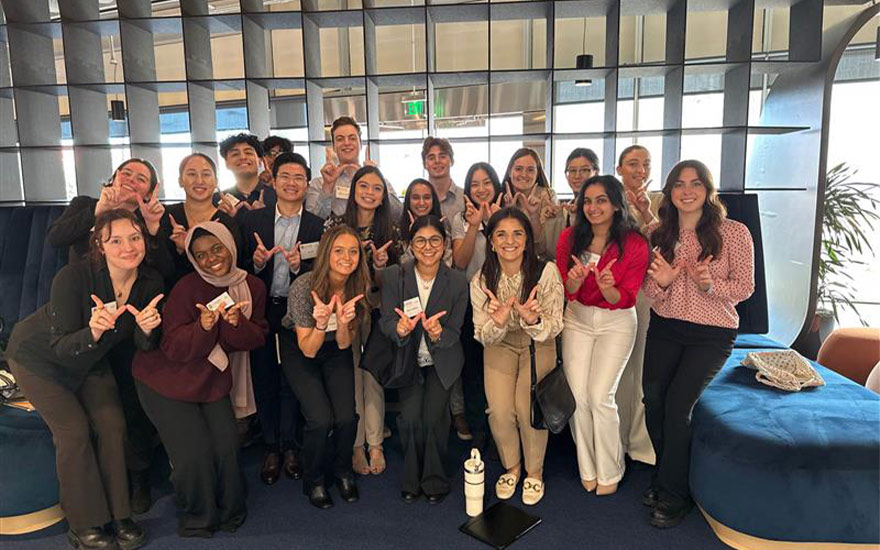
552 402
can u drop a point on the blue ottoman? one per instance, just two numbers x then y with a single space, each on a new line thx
804 468
27 477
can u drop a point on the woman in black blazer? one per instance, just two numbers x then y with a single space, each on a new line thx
423 315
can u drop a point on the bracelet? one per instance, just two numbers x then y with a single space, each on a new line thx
322 329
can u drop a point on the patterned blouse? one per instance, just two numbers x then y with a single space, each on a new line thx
550 296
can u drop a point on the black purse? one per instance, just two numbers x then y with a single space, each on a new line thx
552 402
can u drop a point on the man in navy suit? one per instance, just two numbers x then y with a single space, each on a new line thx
280 246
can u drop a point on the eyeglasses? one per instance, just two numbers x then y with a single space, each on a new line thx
420 242
583 171
528 170
297 178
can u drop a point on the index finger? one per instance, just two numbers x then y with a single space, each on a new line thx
490 294
328 155
609 264
97 301
318 300
498 200
436 316
468 202
367 153
707 260
385 246
203 309
354 300
155 300
577 261
401 314
260 198
174 223
533 293
259 241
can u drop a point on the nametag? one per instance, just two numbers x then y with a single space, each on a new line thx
412 307
223 300
342 192
331 323
307 251
111 307
589 257
232 199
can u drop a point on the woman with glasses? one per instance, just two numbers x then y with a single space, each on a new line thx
527 187
423 307
581 165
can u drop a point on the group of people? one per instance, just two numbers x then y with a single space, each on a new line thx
186 319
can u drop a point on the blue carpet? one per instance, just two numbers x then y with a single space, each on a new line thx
281 518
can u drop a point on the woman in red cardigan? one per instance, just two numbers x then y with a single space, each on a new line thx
603 259
189 386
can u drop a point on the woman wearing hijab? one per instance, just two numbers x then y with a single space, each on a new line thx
191 386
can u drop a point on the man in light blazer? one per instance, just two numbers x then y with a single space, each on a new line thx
279 246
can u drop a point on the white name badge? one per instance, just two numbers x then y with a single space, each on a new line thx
223 300
412 307
111 307
588 257
331 323
342 192
307 251
232 199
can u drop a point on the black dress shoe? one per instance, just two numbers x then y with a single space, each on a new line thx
129 535
650 497
666 515
94 538
291 467
319 497
271 470
348 489
408 497
436 499
141 499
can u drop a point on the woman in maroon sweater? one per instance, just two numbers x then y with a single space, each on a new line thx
201 371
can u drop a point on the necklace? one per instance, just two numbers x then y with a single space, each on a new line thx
423 284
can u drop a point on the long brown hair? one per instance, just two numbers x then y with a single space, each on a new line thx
532 266
357 283
106 219
708 228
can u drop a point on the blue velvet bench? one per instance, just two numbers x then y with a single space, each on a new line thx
772 469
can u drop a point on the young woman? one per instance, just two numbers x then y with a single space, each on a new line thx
420 200
59 358
581 165
423 307
326 308
518 302
198 179
703 265
527 187
368 211
202 370
603 259
634 169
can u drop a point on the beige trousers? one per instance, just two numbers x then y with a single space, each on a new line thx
369 399
631 408
507 378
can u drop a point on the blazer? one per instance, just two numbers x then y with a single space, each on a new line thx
262 222
449 294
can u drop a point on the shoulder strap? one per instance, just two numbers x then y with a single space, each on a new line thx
534 369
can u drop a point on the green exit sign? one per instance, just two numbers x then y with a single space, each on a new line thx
414 108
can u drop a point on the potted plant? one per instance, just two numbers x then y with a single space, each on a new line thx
848 217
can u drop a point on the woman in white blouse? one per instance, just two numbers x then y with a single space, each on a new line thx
517 301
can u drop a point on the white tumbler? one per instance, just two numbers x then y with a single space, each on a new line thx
474 483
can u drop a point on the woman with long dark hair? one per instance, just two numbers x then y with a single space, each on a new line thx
368 211
420 200
703 265
527 187
59 356
192 384
581 165
326 308
518 302
603 259
423 307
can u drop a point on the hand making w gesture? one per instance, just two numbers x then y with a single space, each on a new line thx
102 319
530 310
498 311
661 271
322 312
148 318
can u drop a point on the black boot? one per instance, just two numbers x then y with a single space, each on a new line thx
141 499
94 538
348 489
318 496
129 535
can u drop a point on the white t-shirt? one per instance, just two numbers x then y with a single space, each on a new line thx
425 359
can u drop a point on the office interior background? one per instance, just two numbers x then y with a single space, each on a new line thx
85 84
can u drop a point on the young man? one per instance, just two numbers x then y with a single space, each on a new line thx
243 155
272 147
437 158
328 193
274 252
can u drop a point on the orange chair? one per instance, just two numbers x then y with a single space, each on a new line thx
852 352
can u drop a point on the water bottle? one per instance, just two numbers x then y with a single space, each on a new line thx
474 483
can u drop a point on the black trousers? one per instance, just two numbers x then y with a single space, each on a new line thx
325 389
472 376
202 442
88 430
277 407
681 358
424 434
140 439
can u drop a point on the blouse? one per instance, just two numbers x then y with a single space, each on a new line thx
550 296
629 271
733 280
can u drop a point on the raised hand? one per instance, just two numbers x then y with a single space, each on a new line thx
472 214
207 318
233 314
494 207
700 273
640 198
368 159
604 277
321 312
532 203
661 271
261 254
257 204
229 205
549 209
331 170
151 211
412 219
178 234
346 312
432 325
380 255
498 311
148 318
112 197
530 311
405 324
579 271
102 320
292 256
